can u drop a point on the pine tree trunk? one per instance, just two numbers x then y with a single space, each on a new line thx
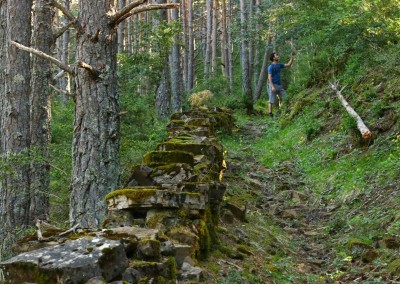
64 82
207 59
257 43
224 39
96 124
229 46
184 13
42 40
250 24
190 68
121 29
244 54
175 68
163 96
262 79
128 48
15 133
214 37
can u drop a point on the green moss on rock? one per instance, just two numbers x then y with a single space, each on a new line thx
158 158
394 267
132 193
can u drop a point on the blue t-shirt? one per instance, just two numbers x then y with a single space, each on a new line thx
275 70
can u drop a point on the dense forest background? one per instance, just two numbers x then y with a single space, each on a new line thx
163 55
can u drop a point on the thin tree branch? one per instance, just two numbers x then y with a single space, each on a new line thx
149 7
114 18
59 75
39 53
95 73
64 10
73 229
62 30
68 94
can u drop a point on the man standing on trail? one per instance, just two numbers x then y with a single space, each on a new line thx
275 90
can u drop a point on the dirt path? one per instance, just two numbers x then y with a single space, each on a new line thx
280 194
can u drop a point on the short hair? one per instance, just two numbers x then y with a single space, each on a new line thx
272 56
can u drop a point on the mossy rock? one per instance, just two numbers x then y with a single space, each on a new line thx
158 158
170 169
390 243
33 273
232 253
118 218
133 193
151 269
369 256
213 151
176 122
204 239
199 122
394 267
149 250
155 218
190 131
223 121
354 243
184 235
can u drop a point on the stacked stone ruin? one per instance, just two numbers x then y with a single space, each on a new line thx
158 226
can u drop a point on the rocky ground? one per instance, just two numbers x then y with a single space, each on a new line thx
288 236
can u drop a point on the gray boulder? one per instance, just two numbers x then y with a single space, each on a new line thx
76 261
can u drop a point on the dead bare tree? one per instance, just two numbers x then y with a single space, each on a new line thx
365 132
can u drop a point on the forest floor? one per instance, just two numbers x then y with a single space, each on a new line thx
289 235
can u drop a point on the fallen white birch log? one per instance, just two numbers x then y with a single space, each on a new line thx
365 132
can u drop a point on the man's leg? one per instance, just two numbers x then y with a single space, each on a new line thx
272 99
281 94
270 110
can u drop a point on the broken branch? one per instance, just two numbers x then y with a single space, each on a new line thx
73 229
39 53
64 10
115 18
62 30
89 68
365 132
149 7
68 94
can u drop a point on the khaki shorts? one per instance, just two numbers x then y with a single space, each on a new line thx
279 91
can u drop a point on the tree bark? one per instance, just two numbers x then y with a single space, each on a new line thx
64 82
224 43
262 79
15 184
229 45
244 54
250 37
207 59
42 39
96 123
190 68
214 37
175 68
163 96
365 132
121 29
185 40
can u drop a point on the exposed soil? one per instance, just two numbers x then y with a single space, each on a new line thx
287 233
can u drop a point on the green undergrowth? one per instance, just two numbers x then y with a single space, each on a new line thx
356 180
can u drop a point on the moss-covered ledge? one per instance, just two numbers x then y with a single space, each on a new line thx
152 198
